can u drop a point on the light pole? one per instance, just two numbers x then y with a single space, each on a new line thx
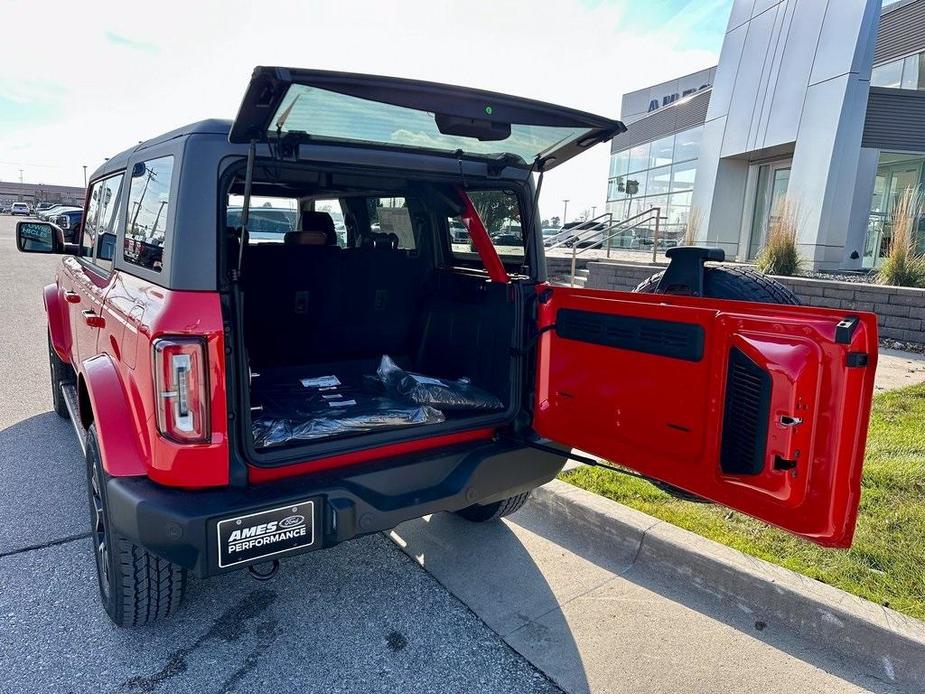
85 176
593 208
564 211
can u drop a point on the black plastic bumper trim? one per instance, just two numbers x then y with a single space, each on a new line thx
180 525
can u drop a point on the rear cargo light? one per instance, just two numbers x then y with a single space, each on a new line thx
180 373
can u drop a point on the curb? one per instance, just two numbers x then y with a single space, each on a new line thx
889 645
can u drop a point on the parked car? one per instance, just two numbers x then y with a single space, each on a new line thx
69 222
42 206
19 208
240 403
52 212
458 232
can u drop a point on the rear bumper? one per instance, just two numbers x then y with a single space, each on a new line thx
181 526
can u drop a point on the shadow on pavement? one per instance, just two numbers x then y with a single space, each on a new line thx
530 579
43 494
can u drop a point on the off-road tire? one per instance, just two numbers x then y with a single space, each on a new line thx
136 587
60 373
477 513
737 284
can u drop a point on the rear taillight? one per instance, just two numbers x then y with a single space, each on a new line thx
64 222
180 373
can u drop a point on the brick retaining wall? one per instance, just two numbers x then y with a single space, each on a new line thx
900 310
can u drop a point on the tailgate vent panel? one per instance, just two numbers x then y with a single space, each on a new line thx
649 336
745 417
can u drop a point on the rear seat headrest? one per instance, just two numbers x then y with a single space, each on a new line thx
305 238
319 222
379 240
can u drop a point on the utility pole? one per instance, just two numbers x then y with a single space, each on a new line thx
564 211
20 176
85 176
150 175
593 208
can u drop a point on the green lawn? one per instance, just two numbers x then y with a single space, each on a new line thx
886 563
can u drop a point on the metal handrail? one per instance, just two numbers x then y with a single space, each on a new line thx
568 233
609 232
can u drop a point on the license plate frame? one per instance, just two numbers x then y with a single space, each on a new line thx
266 534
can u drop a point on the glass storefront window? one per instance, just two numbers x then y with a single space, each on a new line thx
639 158
687 144
667 165
659 181
683 175
887 75
896 173
914 72
636 184
616 188
661 153
619 163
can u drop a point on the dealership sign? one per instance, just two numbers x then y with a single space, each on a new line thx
671 98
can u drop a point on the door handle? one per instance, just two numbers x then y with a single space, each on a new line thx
93 320
72 297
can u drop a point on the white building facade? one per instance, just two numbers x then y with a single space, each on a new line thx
817 102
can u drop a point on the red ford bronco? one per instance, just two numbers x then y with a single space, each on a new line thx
272 337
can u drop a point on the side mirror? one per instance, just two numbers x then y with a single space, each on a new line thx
39 237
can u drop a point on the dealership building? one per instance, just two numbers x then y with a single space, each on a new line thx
40 192
819 103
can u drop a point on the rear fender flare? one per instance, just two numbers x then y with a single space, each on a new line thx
58 327
117 431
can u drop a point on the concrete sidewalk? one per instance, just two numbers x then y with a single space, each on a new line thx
897 369
595 618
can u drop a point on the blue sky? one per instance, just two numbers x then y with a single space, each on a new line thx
132 74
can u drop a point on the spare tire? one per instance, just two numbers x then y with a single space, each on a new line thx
736 284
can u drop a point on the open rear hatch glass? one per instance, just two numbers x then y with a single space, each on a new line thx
315 105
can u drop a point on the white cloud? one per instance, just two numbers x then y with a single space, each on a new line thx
173 63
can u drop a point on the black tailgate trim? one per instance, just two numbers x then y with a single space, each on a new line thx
647 335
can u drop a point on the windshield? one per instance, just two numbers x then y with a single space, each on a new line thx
326 114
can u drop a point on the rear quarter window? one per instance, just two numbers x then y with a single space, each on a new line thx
500 213
148 206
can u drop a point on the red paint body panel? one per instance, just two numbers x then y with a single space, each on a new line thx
134 313
58 327
480 239
266 474
664 417
121 436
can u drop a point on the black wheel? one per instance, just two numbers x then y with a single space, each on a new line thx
136 587
477 513
60 373
734 283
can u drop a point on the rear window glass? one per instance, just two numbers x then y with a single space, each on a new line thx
500 213
326 114
146 225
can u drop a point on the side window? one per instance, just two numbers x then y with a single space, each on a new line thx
392 216
93 209
332 207
148 203
500 213
108 221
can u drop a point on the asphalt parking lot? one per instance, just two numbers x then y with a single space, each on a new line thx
359 617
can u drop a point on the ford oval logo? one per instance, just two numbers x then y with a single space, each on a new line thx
291 521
